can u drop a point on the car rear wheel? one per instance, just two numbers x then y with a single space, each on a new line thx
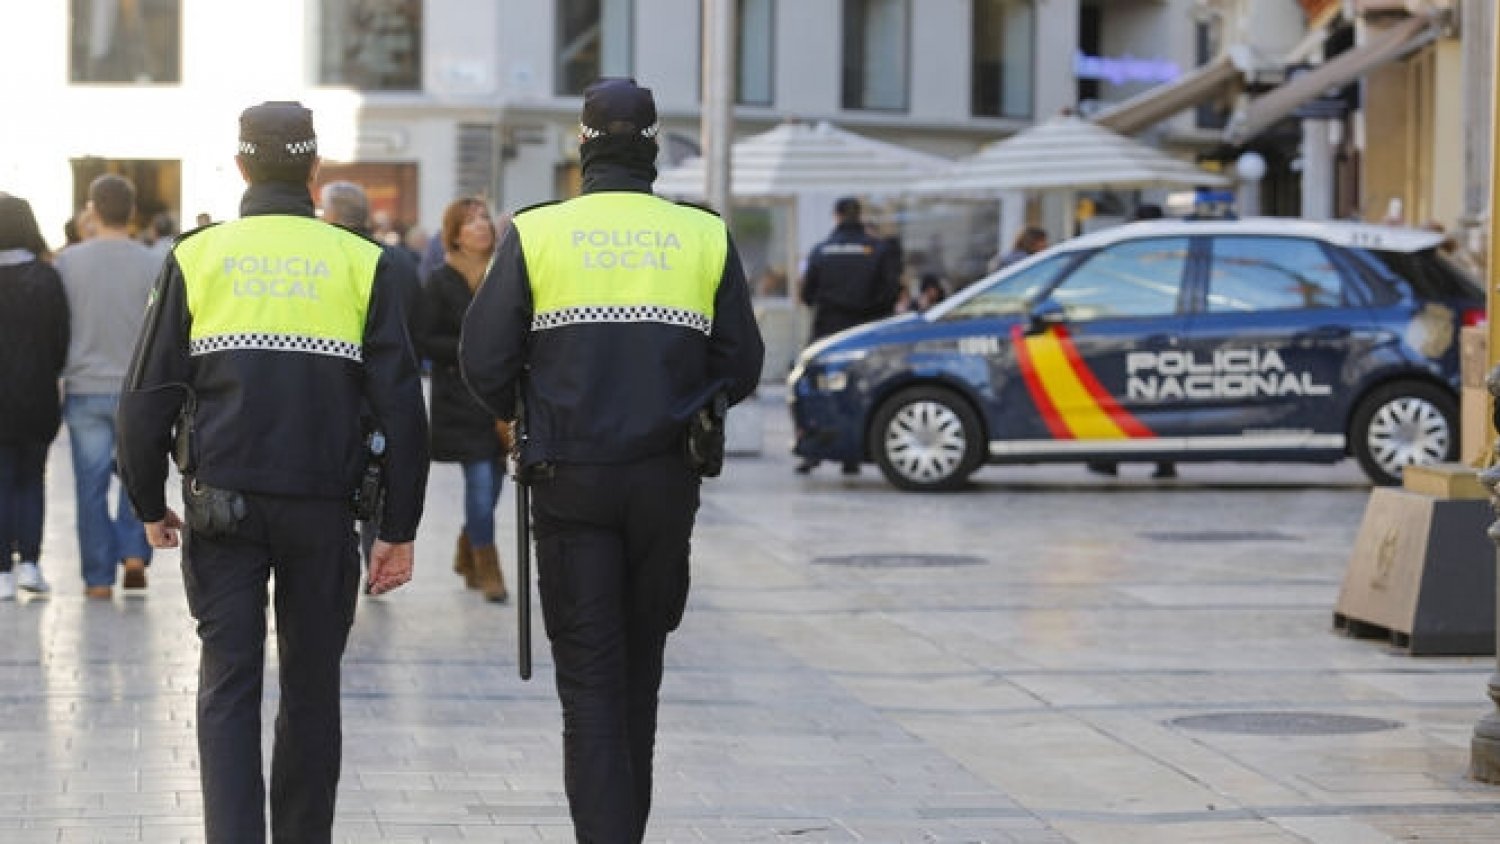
1408 423
927 439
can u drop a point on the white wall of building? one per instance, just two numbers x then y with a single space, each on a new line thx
487 62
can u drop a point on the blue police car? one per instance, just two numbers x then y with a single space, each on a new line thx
1255 340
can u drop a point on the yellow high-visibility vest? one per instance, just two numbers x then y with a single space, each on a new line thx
622 257
278 282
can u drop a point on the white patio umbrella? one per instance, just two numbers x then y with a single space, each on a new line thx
808 166
794 159
1064 153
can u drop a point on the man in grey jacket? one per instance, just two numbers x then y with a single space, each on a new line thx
108 279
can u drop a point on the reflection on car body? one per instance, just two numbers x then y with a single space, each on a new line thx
1275 340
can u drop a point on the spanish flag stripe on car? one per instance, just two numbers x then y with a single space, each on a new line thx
1070 399
1033 379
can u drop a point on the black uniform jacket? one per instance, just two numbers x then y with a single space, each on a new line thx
852 278
276 422
604 392
463 430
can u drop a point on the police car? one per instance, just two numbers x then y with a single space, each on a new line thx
1253 340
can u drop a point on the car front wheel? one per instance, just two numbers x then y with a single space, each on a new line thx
927 439
1404 424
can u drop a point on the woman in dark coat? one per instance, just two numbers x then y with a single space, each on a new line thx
463 431
34 323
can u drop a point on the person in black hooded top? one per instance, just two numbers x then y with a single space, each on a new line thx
34 322
627 314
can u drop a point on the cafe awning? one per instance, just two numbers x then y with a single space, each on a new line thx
1145 110
1386 46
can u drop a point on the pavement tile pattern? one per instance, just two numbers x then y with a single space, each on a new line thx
1019 662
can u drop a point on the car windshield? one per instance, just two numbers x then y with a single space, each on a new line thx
1010 294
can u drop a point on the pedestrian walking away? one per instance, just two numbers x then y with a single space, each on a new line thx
34 322
346 204
266 339
852 278
631 318
463 430
108 278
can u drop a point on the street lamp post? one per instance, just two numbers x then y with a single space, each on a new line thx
718 100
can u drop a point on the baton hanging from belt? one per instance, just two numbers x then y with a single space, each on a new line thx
523 547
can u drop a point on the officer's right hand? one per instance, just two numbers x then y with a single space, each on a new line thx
390 566
164 533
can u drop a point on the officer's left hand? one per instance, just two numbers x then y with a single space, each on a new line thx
390 566
164 534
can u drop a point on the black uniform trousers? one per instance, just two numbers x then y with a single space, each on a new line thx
309 544
612 567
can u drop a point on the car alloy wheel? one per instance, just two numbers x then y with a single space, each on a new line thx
1404 424
1407 432
929 439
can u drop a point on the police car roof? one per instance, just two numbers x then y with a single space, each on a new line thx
1337 232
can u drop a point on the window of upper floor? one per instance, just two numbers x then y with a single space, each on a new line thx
130 41
371 45
877 54
1003 77
756 78
594 39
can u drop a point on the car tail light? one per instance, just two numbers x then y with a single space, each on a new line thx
1474 316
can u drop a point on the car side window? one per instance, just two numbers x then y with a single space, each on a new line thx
1141 278
1251 274
1012 294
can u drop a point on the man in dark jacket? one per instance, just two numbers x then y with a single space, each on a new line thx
627 315
346 204
264 341
852 277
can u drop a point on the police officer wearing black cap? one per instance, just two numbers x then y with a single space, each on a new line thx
614 318
264 338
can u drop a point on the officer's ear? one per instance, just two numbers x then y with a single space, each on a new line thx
312 172
239 161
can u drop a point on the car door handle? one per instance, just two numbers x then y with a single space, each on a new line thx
1328 332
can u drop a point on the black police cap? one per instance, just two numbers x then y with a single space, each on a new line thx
617 106
278 132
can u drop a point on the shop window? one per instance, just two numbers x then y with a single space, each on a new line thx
1003 58
877 49
754 81
158 185
593 40
371 45
125 41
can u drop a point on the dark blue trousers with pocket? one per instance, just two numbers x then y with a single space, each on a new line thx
307 546
612 568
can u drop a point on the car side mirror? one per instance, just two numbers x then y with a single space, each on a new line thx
1045 314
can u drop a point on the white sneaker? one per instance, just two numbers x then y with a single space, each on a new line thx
29 577
7 586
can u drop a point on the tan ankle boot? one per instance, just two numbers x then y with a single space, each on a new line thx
463 560
487 572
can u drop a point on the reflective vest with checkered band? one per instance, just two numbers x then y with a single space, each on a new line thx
278 282
622 257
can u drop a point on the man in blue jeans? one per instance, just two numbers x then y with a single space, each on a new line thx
108 279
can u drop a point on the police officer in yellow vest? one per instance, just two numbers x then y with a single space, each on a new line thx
627 314
263 340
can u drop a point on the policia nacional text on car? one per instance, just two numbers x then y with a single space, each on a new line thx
263 340
616 316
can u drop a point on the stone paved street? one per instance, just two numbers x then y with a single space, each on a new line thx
1007 664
